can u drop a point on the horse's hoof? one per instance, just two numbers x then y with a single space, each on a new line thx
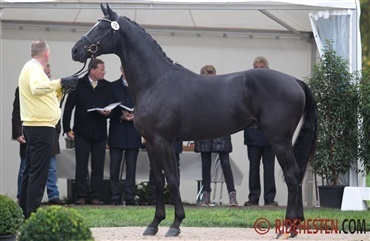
173 232
150 231
283 236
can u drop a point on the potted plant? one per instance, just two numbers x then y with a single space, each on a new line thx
364 116
336 94
11 218
55 223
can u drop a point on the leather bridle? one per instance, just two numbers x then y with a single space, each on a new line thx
93 48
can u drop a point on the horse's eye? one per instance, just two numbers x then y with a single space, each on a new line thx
103 26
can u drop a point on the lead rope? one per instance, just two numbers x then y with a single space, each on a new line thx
67 91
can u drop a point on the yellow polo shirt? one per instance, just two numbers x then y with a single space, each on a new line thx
39 104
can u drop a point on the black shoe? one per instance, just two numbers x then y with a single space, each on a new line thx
96 201
271 204
130 202
114 202
80 201
250 203
56 201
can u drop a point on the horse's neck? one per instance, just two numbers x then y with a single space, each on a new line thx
143 59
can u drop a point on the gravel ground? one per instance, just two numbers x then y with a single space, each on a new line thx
211 234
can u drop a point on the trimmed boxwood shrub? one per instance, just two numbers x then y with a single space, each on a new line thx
11 216
55 223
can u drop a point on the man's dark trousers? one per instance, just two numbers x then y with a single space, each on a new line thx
40 143
268 159
116 156
83 148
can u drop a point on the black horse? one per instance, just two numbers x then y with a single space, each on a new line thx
173 103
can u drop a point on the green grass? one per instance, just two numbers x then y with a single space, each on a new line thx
206 216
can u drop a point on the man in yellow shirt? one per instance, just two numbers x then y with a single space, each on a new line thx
40 113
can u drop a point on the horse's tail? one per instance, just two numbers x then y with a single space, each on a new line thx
304 146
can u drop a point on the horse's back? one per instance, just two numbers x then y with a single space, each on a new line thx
212 106
276 82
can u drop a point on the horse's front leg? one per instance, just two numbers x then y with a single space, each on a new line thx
173 184
171 171
160 214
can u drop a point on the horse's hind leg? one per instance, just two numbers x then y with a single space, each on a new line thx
292 176
299 213
160 214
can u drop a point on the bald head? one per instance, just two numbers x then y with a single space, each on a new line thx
38 47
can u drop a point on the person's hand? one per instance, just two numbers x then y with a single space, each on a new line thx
69 82
130 116
71 135
127 115
105 112
21 139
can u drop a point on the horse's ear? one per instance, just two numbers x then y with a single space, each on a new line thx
110 11
105 12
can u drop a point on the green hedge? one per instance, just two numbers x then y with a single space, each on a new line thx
11 216
55 223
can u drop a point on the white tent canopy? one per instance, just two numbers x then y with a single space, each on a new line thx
334 19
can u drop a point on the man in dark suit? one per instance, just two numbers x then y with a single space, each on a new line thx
123 138
259 147
89 130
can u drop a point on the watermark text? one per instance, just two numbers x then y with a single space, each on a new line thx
311 226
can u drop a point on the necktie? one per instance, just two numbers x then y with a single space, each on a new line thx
93 84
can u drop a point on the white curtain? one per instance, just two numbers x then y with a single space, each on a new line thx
334 25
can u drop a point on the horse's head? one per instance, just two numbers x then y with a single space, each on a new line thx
99 39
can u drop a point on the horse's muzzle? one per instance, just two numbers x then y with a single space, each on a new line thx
79 53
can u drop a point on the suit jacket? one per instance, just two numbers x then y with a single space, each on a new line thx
90 125
17 129
178 146
122 133
255 137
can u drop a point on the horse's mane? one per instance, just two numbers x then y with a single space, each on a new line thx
151 38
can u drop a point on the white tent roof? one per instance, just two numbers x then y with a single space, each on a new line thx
278 18
238 17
